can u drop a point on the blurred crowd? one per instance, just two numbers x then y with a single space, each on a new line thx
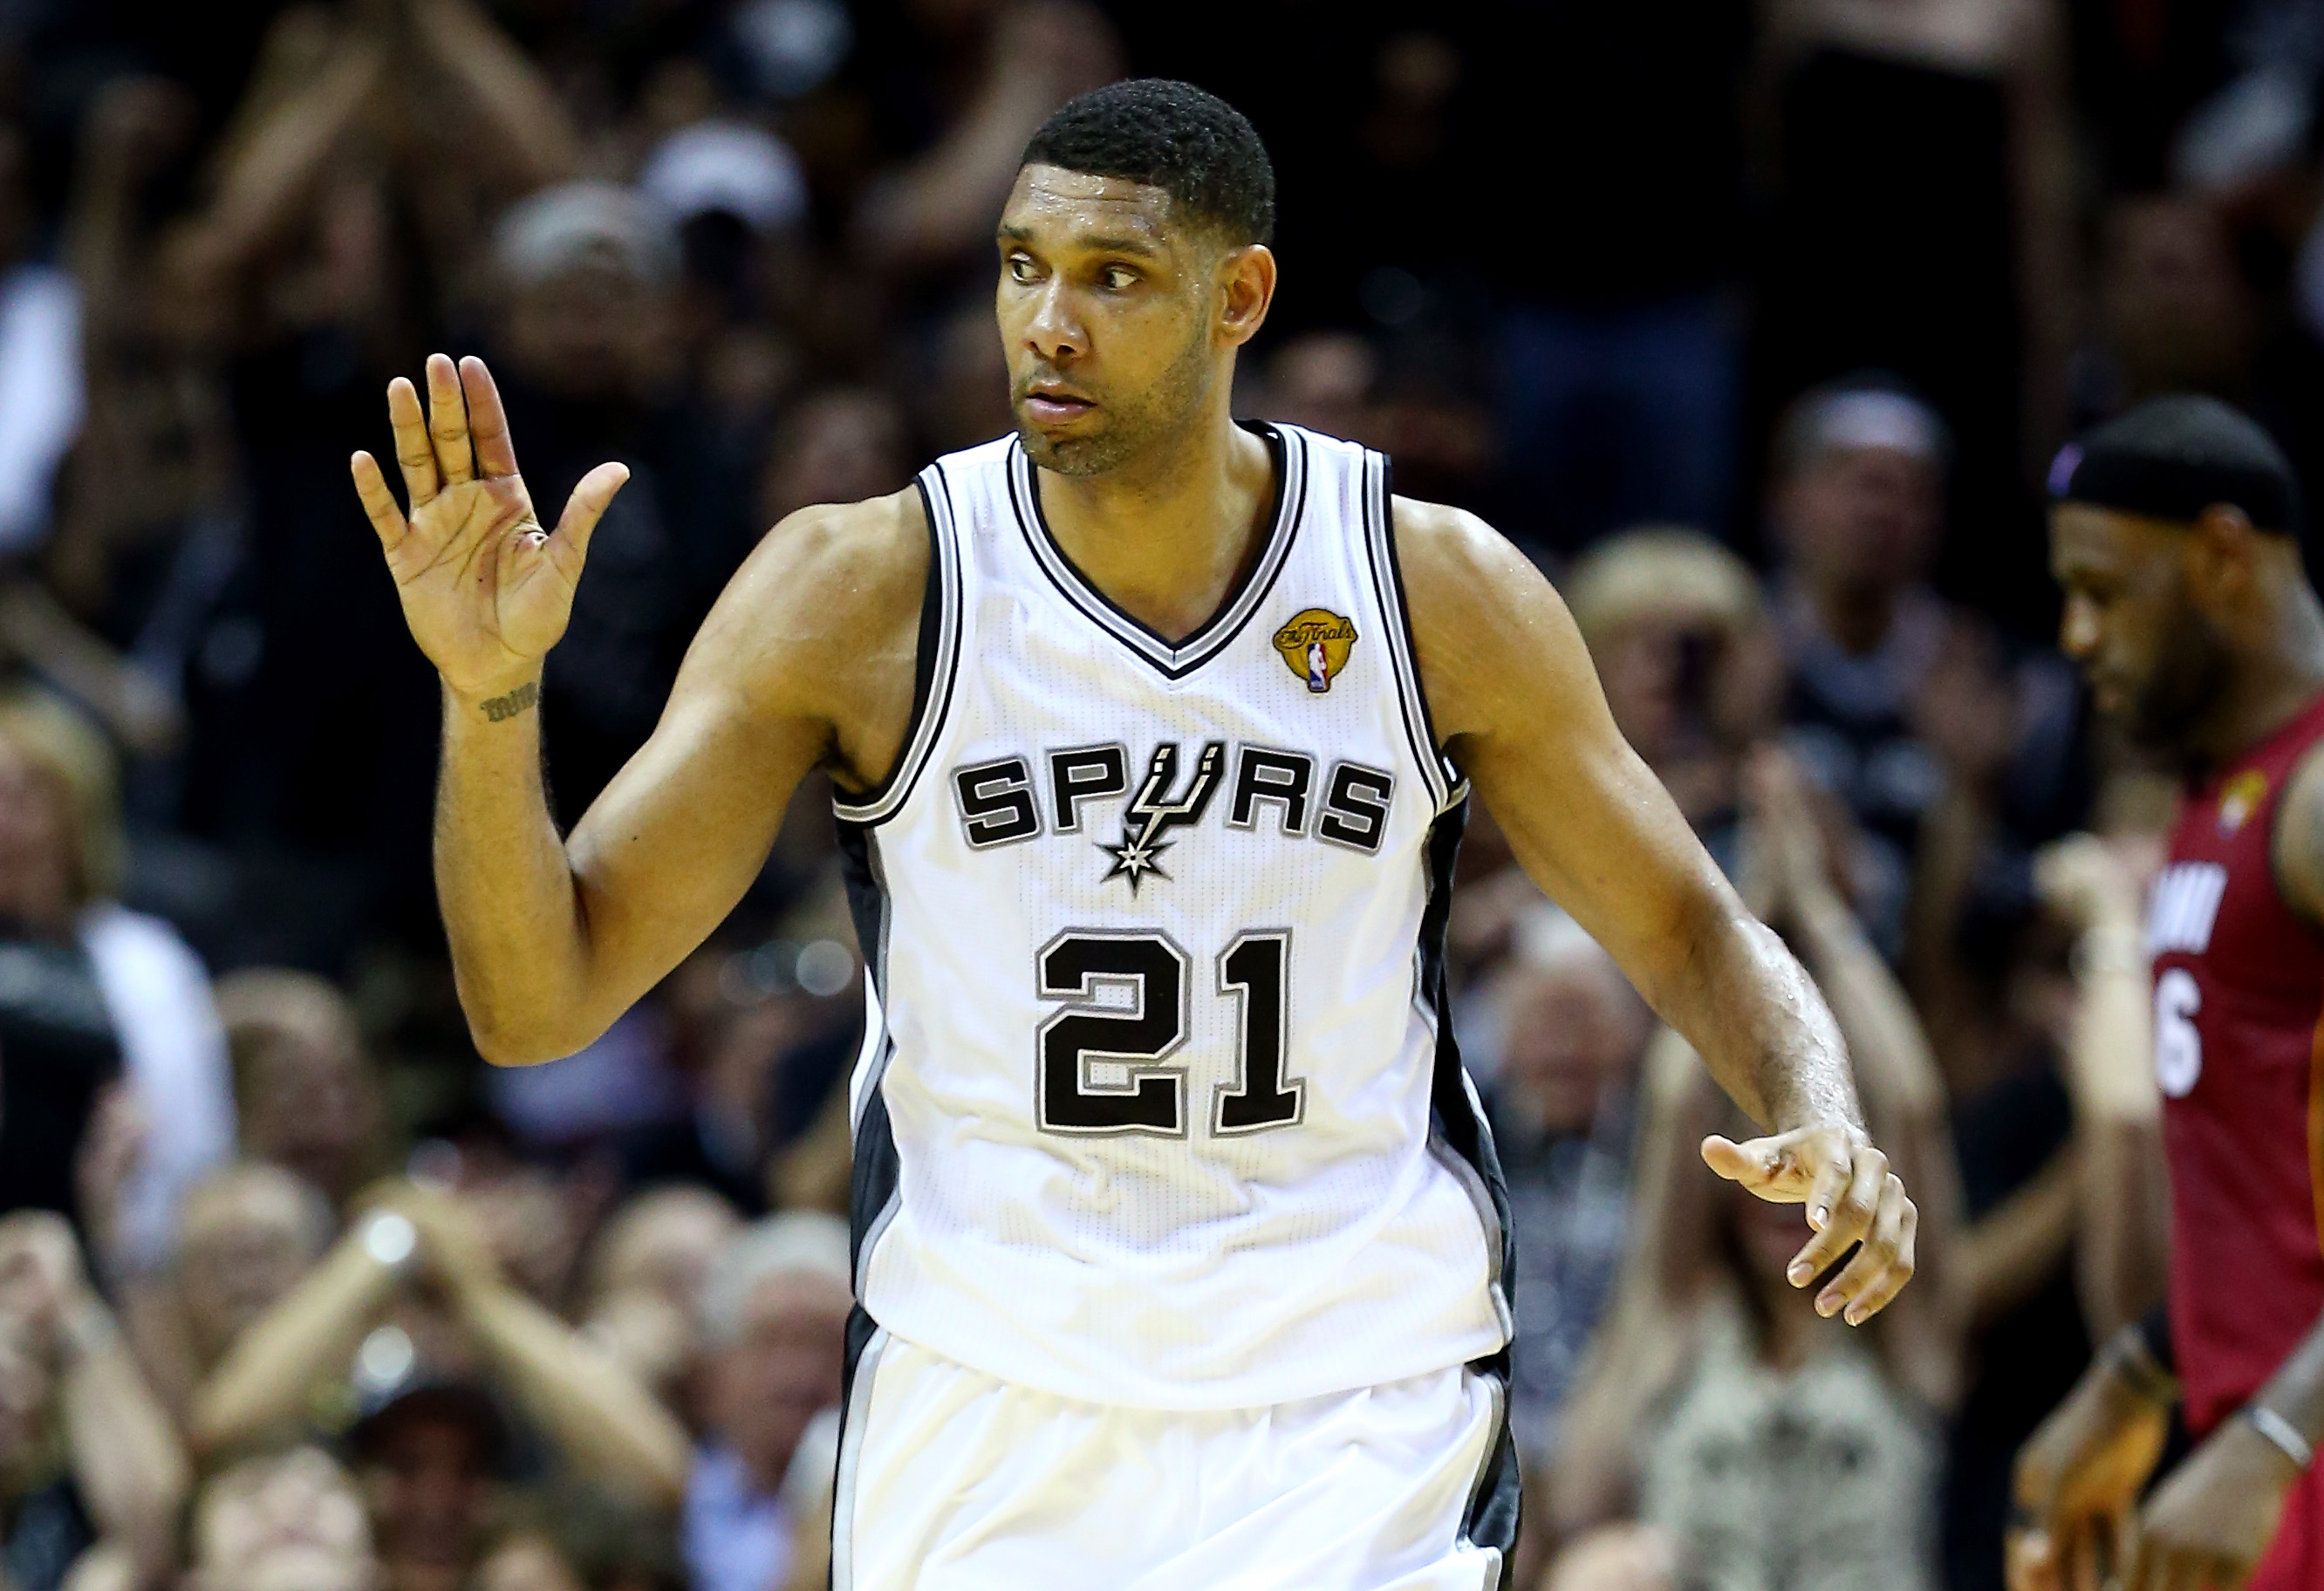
1755 325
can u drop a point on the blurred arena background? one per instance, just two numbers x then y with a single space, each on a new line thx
1756 325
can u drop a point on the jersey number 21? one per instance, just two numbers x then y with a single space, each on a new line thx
1150 1094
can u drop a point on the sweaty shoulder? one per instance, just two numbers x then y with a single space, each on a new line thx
1485 621
822 622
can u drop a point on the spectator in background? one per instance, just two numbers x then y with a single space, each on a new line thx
307 1095
765 1035
332 242
738 198
645 1276
2180 309
599 1423
575 1542
2174 311
1620 338
41 391
91 1471
155 460
2063 1183
246 1235
44 396
1571 1032
589 369
839 444
1857 509
430 1453
1689 663
1922 223
102 992
1327 381
284 1521
1016 61
1773 1449
962 398
774 1318
533 1213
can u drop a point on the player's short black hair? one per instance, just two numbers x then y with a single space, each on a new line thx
1163 133
2171 457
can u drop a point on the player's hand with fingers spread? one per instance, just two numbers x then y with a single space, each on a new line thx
485 589
2208 1525
1851 1197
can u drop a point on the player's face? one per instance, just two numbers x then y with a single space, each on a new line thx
1108 316
2153 662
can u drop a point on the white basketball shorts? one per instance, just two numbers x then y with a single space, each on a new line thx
950 1480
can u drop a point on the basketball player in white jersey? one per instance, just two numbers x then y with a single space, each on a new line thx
1180 1249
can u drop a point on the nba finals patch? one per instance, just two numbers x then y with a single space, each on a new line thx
2241 795
1315 646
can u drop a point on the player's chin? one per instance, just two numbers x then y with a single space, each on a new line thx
1077 448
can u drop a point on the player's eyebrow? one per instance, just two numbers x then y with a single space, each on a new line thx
1111 243
1116 244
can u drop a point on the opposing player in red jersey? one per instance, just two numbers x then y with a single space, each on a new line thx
2175 536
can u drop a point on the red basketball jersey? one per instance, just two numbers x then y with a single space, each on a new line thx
2238 993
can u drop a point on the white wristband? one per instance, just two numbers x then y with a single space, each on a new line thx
2281 1433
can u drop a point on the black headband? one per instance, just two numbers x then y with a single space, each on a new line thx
2173 489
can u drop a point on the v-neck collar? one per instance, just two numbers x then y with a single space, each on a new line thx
1174 660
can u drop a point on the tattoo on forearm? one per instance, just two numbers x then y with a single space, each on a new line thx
497 708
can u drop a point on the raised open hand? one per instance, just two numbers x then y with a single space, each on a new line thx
485 589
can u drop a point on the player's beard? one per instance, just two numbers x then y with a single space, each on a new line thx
2190 675
1138 424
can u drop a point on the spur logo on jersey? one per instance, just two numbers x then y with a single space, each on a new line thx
1315 646
2184 906
1156 812
1002 801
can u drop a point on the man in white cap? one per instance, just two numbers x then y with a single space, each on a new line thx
774 1321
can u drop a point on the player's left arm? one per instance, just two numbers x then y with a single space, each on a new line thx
2210 1522
1517 703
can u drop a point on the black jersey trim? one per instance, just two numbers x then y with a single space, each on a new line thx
1172 660
936 663
874 1190
1404 654
865 1343
1459 1135
1496 1496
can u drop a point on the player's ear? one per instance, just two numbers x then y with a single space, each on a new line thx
2223 554
1247 287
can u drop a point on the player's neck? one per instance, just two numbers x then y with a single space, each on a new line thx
1168 541
2278 676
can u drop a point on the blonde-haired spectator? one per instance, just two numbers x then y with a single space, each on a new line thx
1689 661
61 857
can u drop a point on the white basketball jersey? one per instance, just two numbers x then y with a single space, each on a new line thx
1158 1104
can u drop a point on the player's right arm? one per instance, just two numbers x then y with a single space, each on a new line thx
806 661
